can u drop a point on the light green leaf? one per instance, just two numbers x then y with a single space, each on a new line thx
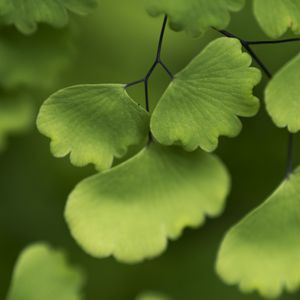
35 61
206 98
152 296
94 123
262 252
277 16
283 96
195 16
26 15
43 273
16 115
131 210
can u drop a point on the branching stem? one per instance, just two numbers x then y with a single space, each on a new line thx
157 61
247 46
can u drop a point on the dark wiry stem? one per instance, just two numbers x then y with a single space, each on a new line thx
246 44
157 61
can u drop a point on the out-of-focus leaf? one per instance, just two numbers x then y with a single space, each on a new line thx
16 115
26 14
42 273
195 16
35 61
277 16
283 96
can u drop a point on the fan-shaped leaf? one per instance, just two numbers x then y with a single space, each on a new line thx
131 210
277 16
16 115
34 61
206 98
42 273
95 123
262 252
195 16
283 96
25 15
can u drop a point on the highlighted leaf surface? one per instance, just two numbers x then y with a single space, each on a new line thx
195 16
262 252
43 273
94 123
205 99
131 210
26 15
283 96
277 16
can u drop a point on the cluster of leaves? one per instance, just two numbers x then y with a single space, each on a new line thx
42 272
132 209
32 58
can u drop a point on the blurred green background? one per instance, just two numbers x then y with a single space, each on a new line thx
117 44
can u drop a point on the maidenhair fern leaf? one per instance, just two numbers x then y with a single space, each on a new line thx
94 123
130 211
262 252
195 16
16 115
283 96
42 273
277 16
206 98
26 14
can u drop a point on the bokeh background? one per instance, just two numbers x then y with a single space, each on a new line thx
117 44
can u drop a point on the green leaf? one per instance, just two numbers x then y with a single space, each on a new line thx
195 16
131 210
26 15
16 115
94 123
277 16
35 61
262 252
283 96
206 98
152 296
43 273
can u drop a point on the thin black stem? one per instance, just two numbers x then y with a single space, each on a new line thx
166 69
246 45
161 38
274 42
157 61
134 83
258 61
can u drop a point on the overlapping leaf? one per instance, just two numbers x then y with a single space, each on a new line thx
42 273
131 210
277 16
94 123
26 15
283 96
35 61
195 16
262 252
16 115
206 98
